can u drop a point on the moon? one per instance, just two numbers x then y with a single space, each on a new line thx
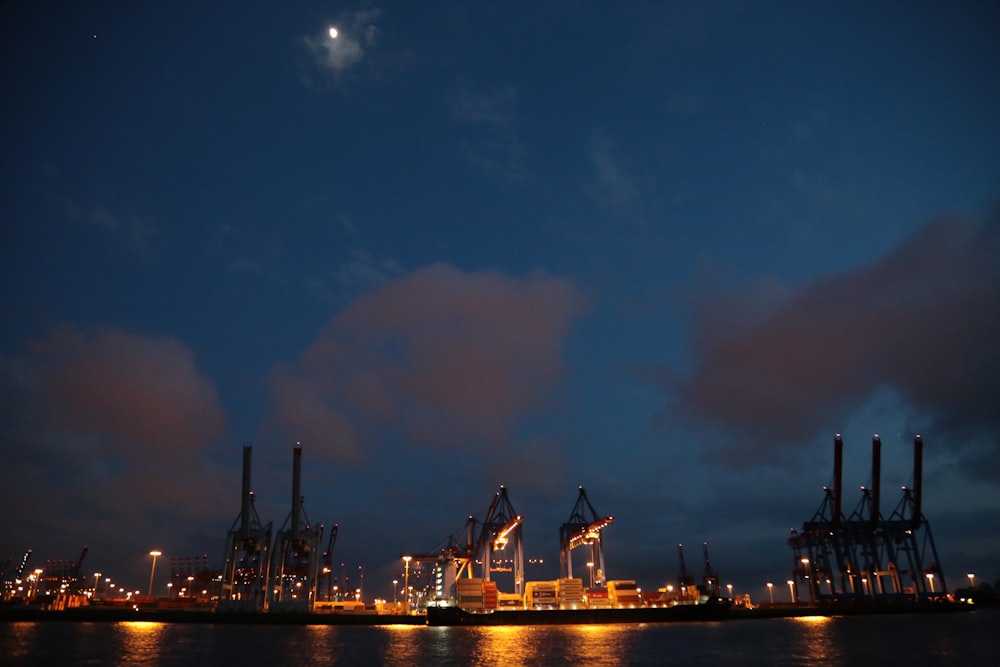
333 33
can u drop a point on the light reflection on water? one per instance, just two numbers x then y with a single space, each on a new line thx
815 641
403 646
932 639
141 642
21 639
507 645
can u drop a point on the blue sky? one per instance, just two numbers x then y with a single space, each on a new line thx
662 250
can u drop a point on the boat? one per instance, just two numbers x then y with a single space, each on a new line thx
714 609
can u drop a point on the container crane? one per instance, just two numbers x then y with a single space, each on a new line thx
248 544
23 565
502 527
296 554
583 528
866 555
684 578
76 573
711 578
327 572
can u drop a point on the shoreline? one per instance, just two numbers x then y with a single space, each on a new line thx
19 614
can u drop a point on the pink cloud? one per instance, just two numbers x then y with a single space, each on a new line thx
111 430
921 321
440 357
135 391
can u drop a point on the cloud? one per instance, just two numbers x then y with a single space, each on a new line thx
358 274
128 389
356 35
489 115
136 232
773 369
615 189
439 358
496 106
105 431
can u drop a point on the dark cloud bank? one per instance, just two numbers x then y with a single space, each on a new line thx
922 321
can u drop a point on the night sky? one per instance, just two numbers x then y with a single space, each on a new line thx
663 250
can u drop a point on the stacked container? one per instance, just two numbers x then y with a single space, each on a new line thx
569 593
470 594
541 595
490 596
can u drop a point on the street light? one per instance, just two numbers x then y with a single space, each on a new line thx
729 587
406 583
590 566
395 583
154 554
97 580
770 592
791 590
930 580
972 581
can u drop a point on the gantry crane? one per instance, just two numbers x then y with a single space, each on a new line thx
295 565
76 573
684 578
710 579
865 555
502 528
248 544
583 528
326 574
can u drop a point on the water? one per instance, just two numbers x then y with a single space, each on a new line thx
928 639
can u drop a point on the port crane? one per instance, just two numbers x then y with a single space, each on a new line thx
684 578
22 567
296 553
248 544
583 528
865 555
327 572
76 572
501 527
710 579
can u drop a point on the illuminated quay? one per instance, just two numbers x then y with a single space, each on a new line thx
858 563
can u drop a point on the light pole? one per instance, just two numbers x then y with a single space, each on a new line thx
729 587
972 581
97 580
791 590
590 567
770 592
930 580
154 554
406 583
395 583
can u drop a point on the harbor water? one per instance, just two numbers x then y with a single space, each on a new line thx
922 639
